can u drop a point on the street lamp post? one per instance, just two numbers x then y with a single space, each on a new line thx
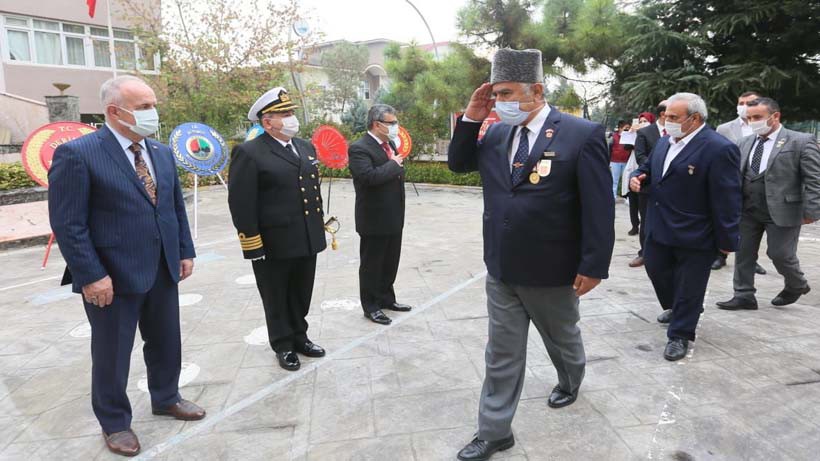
435 47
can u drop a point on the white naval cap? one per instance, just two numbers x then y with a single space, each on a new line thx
275 100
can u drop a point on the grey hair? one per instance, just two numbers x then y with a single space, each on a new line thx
376 113
694 104
110 90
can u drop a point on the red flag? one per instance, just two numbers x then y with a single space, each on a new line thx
92 5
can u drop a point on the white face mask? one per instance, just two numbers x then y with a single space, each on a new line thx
290 126
675 130
393 132
146 122
761 127
510 112
741 111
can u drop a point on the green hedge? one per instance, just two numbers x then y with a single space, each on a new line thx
13 176
422 172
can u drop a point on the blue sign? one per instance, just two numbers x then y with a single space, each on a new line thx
253 132
199 149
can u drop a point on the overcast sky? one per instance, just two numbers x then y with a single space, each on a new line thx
356 20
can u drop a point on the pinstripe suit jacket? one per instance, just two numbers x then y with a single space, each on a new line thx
103 219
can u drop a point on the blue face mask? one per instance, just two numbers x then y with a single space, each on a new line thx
510 112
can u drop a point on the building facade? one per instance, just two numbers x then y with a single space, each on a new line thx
43 42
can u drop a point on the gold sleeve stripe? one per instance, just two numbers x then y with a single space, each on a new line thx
251 239
255 246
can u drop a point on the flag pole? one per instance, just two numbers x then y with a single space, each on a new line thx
113 56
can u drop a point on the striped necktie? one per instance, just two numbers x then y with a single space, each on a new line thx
143 173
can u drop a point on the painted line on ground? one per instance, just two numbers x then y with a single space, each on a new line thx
211 421
667 417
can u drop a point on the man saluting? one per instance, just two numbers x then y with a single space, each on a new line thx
548 233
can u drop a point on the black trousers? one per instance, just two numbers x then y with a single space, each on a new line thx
286 288
643 201
113 328
679 276
633 209
379 256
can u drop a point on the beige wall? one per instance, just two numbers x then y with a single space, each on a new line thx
35 81
72 10
21 117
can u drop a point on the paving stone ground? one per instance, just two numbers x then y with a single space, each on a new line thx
749 390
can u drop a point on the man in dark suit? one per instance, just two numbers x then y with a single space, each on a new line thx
736 130
276 205
781 192
116 209
694 210
378 177
645 141
548 233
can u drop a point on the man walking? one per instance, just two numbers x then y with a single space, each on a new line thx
781 192
548 233
694 211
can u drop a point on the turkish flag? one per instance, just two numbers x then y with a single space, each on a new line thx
92 5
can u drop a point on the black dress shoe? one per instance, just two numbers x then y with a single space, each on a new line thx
481 450
378 317
737 303
675 349
759 270
398 307
559 398
288 360
633 231
309 349
720 261
786 297
665 316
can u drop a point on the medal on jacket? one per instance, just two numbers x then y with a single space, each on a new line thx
534 178
544 168
691 170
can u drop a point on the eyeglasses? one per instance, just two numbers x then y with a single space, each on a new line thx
393 123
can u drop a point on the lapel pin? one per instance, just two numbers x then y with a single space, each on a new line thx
691 170
549 132
780 143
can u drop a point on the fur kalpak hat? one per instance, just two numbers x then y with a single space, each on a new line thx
517 66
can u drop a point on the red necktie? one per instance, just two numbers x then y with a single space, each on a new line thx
664 132
387 149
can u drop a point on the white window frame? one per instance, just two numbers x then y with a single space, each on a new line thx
88 45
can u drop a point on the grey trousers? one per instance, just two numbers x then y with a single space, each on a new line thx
554 311
782 249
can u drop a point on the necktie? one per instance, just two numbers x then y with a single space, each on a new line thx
757 156
521 155
143 173
289 147
664 132
387 149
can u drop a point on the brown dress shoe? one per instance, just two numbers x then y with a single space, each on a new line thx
637 262
183 410
123 443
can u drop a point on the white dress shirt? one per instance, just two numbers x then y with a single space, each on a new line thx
745 129
660 128
126 143
767 148
534 126
380 141
675 148
286 143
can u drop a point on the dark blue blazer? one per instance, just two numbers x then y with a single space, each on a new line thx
697 203
547 233
103 219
